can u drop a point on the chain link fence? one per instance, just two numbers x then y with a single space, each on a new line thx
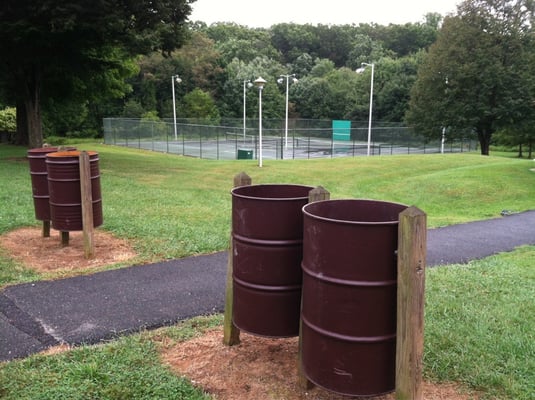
230 139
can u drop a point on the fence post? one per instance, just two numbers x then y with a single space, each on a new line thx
412 236
152 134
167 140
317 194
231 334
200 145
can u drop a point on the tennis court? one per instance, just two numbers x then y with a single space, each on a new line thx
230 143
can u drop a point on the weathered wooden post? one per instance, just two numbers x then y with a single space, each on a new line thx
317 194
87 204
412 235
65 237
45 231
231 334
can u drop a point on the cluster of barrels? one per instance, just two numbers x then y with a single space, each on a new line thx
55 178
326 270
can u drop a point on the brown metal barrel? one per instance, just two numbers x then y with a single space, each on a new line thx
38 175
350 295
65 195
267 232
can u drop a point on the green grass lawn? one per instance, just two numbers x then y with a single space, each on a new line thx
480 325
480 317
170 206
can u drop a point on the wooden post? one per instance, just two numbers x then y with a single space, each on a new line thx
317 194
231 334
46 229
87 204
242 179
64 239
412 235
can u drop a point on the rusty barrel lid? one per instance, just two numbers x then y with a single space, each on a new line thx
70 154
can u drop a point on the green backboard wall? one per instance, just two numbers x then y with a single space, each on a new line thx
341 130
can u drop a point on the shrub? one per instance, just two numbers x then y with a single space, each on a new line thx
8 119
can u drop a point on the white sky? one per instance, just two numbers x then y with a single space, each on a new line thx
254 13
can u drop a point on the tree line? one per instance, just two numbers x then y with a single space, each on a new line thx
69 65
217 59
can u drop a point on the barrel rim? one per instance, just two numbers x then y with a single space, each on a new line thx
351 222
69 153
235 194
41 152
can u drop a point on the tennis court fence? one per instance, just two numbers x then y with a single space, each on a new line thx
303 139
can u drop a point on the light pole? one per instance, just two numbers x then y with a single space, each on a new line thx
360 71
174 78
444 127
260 82
443 140
246 83
279 81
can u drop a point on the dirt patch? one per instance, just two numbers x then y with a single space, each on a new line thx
27 246
260 368
59 349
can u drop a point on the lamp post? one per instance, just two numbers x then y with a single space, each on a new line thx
360 71
280 81
260 82
174 78
446 82
246 84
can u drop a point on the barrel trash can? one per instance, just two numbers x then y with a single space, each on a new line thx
245 154
39 180
65 194
350 295
267 245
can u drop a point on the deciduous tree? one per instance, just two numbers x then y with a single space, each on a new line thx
478 74
53 46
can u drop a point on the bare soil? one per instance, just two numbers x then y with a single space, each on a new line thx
261 368
46 254
257 369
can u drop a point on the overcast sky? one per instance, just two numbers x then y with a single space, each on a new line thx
254 13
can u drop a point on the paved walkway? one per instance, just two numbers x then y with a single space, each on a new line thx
89 309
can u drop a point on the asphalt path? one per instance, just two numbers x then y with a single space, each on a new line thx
94 308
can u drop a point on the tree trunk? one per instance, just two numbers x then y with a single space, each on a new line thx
33 111
21 136
484 141
33 117
29 122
